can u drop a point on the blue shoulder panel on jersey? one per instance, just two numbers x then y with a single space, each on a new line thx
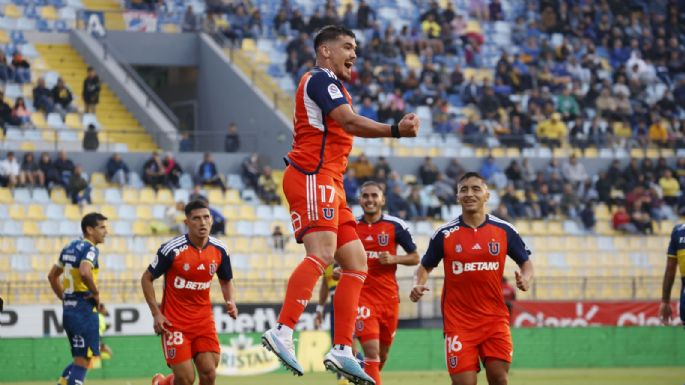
325 90
516 248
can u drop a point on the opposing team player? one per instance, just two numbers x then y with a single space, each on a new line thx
379 302
80 297
185 318
473 249
676 257
324 126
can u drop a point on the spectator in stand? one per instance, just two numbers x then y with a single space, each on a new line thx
42 97
91 91
621 221
78 188
454 171
22 68
382 166
9 171
491 172
250 171
153 172
5 114
552 132
574 171
510 199
587 216
569 202
117 170
398 206
232 140
365 15
6 70
186 142
48 169
514 174
368 109
658 132
208 173
351 186
363 168
502 213
278 239
65 167
474 131
91 142
267 187
567 105
527 171
172 171
190 23
532 204
444 190
418 209
670 187
548 204
218 222
30 174
641 218
21 116
428 172
63 98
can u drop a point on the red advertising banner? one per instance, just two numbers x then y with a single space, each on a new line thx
588 313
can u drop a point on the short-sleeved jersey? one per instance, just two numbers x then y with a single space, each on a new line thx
188 275
676 248
320 143
71 257
473 261
384 235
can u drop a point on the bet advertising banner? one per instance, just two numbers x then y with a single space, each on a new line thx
139 21
135 319
588 313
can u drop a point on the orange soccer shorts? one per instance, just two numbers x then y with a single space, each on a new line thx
377 322
464 348
181 346
318 203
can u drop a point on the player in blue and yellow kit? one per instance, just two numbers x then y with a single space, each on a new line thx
676 257
79 294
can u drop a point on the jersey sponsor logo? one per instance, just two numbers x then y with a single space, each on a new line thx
212 268
90 256
493 248
458 267
383 239
328 213
181 283
334 92
476 247
68 258
372 254
179 250
201 267
446 233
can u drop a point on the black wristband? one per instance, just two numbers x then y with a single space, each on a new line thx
395 131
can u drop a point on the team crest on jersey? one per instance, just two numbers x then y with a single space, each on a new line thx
186 266
212 268
493 248
359 325
458 248
453 362
171 353
383 239
328 213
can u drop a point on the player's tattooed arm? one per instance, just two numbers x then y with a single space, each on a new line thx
227 289
55 283
420 279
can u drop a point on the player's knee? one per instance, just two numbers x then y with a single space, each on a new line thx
497 378
326 256
184 378
207 376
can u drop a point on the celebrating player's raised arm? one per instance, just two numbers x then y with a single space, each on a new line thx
364 127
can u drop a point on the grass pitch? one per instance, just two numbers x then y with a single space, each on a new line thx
583 376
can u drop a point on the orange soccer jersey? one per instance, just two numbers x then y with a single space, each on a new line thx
320 143
189 272
473 260
385 235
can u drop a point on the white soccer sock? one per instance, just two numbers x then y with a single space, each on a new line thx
284 331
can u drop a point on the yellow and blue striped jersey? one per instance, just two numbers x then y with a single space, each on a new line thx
328 277
676 248
71 257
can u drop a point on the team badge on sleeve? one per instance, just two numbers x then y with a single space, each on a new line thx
453 362
383 239
334 92
493 248
171 353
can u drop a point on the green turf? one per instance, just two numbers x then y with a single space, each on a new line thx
584 376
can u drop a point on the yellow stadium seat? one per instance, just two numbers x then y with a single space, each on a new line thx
31 228
230 212
147 195
248 45
216 197
97 196
232 197
38 120
241 245
18 212
169 28
73 121
165 197
72 212
12 11
36 212
109 211
59 196
6 195
413 61
5 38
143 212
27 146
97 179
141 228
130 195
48 13
247 212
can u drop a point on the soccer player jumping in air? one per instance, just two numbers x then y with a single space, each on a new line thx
80 297
324 126
474 248
185 318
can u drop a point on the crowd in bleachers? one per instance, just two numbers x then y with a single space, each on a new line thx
521 74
